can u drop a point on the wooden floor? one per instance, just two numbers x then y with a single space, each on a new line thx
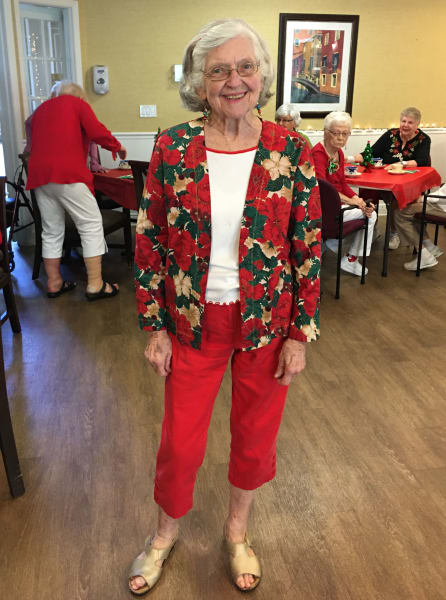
357 511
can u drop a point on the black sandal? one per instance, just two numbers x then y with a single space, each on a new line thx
67 286
92 296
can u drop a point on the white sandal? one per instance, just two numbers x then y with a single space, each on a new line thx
149 565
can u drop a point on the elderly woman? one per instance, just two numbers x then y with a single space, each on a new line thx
227 266
329 164
61 130
410 146
288 116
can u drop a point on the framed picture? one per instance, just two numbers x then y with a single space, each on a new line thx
316 65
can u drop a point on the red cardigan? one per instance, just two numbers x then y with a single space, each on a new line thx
61 130
337 179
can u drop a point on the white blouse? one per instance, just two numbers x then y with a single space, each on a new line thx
229 174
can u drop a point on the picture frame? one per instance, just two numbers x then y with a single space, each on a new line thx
316 62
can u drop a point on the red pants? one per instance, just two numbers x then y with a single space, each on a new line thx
191 388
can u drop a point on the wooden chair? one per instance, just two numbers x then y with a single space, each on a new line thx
7 441
333 226
139 171
112 220
424 218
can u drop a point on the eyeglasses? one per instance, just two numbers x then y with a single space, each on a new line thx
283 120
339 134
246 68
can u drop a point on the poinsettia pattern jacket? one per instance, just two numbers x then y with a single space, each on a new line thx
279 250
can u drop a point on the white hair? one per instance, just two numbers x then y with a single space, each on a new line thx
413 112
67 88
289 110
338 117
211 36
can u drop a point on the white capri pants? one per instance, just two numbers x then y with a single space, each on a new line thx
75 198
357 245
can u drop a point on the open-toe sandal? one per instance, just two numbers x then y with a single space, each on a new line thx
149 565
243 561
67 286
92 296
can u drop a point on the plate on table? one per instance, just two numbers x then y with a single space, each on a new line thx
397 172
379 166
348 174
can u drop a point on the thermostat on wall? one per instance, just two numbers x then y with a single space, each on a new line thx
100 79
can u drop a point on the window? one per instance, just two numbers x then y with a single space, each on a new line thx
337 34
326 39
335 61
45 50
324 62
323 80
334 80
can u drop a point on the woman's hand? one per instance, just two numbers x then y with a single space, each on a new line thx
122 153
159 352
359 202
95 167
291 361
369 210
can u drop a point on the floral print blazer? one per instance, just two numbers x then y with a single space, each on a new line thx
279 249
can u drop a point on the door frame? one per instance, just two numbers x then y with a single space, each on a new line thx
13 134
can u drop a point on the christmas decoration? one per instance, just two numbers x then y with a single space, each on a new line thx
367 158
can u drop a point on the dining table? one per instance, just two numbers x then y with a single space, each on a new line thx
402 188
118 185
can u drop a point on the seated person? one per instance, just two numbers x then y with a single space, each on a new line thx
409 229
94 162
406 144
288 116
329 164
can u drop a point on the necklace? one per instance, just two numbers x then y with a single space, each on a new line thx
333 164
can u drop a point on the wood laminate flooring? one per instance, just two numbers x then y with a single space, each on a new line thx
358 508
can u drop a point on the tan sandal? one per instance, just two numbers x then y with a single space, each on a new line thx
149 565
243 561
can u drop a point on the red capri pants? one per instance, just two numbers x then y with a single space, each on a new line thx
191 388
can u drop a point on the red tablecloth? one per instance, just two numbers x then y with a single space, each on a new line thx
121 191
406 188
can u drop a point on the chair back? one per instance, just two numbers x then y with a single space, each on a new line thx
139 171
4 255
330 206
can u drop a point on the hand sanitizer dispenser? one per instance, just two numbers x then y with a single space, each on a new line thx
100 79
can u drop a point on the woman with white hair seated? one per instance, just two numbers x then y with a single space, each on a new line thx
329 163
410 146
288 116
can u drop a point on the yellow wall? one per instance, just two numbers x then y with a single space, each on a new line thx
400 57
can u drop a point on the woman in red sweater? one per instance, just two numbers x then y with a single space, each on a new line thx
329 163
61 131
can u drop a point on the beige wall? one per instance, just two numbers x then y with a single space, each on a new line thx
400 58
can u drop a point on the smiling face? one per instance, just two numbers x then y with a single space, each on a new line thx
408 127
235 97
